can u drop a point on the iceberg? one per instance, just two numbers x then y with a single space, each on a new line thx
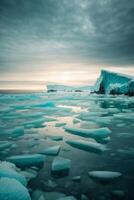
9 170
27 160
98 133
114 83
60 166
87 146
12 189
104 176
67 88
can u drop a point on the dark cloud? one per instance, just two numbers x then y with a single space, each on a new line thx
36 33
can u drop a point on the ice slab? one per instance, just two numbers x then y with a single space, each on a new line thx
87 146
27 160
60 166
5 145
11 189
53 195
67 198
97 119
52 151
104 176
76 178
38 195
19 131
9 170
55 137
34 123
93 133
29 174
60 124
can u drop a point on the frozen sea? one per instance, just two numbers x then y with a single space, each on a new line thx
32 123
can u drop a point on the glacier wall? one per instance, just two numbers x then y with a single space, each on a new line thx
114 83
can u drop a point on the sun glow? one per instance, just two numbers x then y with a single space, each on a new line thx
65 77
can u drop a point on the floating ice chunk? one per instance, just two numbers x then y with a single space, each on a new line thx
34 123
29 174
12 189
60 124
53 151
103 140
5 145
93 133
9 170
104 176
98 119
53 195
129 116
87 146
40 195
49 185
46 104
67 198
60 166
84 197
37 195
55 137
76 121
76 178
19 131
27 160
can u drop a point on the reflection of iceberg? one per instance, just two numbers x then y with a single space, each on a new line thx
66 88
114 83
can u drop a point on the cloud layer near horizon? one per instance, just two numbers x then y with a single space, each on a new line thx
65 35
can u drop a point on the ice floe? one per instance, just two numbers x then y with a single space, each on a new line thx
76 178
55 137
67 198
87 146
104 176
29 173
37 123
27 160
52 151
9 170
16 132
60 124
5 144
93 133
11 189
60 166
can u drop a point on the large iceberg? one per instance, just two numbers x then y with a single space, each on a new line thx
114 83
67 88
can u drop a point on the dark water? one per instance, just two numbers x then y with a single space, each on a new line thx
90 111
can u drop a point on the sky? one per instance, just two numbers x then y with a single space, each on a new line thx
64 41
